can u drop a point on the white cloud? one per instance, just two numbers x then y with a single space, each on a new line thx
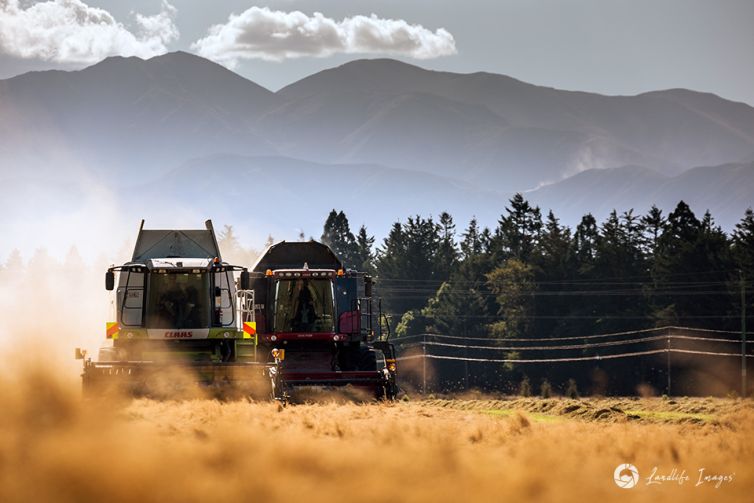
70 31
261 33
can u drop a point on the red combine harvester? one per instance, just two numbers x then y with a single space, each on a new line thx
318 320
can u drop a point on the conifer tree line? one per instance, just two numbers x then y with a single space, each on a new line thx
532 277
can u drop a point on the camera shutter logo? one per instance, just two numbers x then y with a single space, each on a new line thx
626 476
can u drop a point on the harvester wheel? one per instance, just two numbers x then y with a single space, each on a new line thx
391 391
386 391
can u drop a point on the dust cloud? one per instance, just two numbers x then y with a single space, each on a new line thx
48 307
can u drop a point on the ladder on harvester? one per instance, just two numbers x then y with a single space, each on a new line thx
246 306
246 314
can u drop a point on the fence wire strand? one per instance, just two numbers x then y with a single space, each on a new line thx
669 336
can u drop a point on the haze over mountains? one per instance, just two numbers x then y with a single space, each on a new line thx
378 138
723 190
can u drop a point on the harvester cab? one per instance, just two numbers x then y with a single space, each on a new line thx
321 320
178 306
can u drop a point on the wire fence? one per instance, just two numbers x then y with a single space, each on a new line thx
669 335
700 343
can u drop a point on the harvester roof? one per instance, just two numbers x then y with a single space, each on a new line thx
285 255
176 243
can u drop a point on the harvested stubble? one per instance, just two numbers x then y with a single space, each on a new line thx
54 447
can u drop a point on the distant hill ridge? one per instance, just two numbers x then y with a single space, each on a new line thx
379 138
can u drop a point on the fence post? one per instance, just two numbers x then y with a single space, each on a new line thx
667 349
465 359
743 334
424 365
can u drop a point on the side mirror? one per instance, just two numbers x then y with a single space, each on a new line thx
109 280
245 280
367 286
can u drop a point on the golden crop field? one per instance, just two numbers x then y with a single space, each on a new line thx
56 447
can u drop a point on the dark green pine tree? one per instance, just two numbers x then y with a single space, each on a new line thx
475 259
390 263
671 261
585 244
422 248
619 252
581 313
633 231
471 242
461 305
338 236
619 274
554 267
447 251
486 239
518 230
692 270
407 264
512 277
743 244
364 251
554 253
717 257
743 254
390 256
475 263
653 223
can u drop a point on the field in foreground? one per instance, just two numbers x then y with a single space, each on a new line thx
54 447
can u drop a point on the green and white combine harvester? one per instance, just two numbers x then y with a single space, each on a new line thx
185 318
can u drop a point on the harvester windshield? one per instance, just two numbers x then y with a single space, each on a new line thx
178 300
304 305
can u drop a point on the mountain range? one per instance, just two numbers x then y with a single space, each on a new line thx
378 138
